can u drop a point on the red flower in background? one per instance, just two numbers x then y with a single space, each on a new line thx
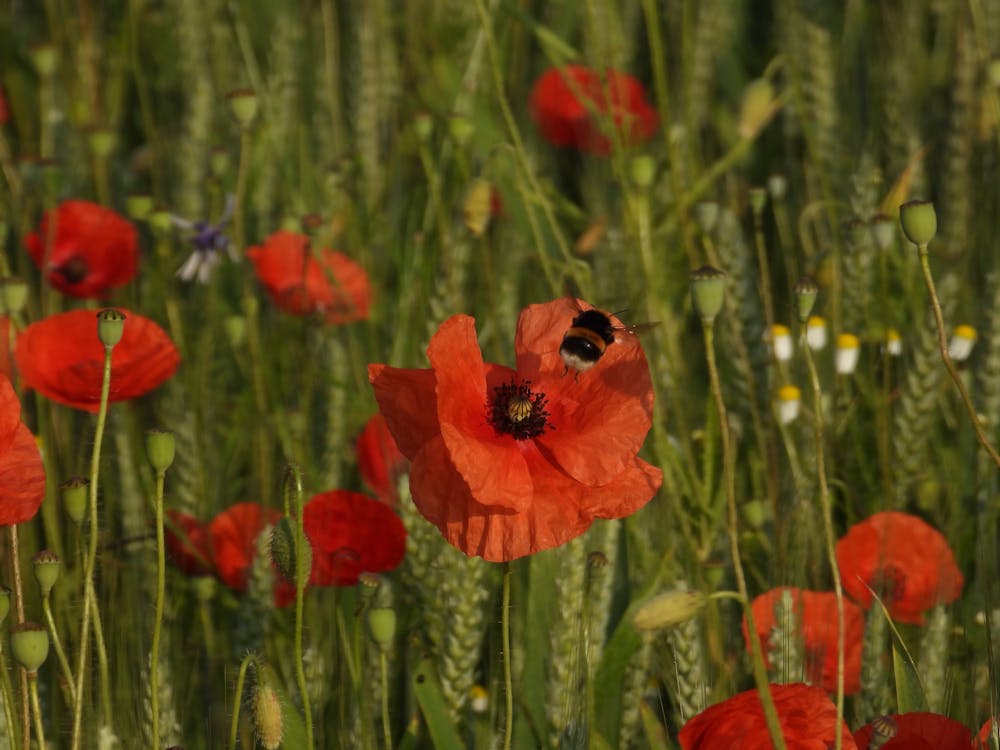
305 282
4 109
902 558
552 452
62 358
982 740
816 613
233 536
22 476
577 107
351 534
189 546
92 250
807 715
379 460
918 730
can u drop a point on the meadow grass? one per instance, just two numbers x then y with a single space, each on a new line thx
789 135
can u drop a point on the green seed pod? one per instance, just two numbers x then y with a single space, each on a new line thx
758 199
806 292
235 327
642 170
160 449
382 623
29 642
919 221
45 58
243 106
74 497
102 141
110 326
14 293
139 206
708 290
47 567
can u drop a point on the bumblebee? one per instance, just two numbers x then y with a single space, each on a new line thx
588 337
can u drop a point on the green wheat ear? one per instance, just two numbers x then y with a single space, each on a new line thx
988 362
785 641
170 727
875 697
686 642
934 658
465 591
564 704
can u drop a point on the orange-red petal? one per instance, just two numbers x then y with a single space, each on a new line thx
234 535
407 399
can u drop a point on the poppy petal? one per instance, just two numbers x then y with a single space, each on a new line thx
407 399
234 535
491 464
380 462
188 543
22 478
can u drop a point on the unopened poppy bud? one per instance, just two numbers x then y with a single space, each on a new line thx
283 550
4 603
14 293
758 199
235 327
962 341
267 716
781 343
45 58
160 221
757 108
219 162
816 333
848 352
102 142
777 186
642 169
243 106
708 289
423 126
669 609
806 292
919 221
789 402
74 497
706 214
139 206
160 449
110 326
479 699
460 129
29 643
893 342
47 566
884 232
382 623
204 588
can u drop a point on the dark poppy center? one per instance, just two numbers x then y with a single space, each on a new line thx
73 270
518 411
890 583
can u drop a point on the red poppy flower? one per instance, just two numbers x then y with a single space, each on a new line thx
22 477
379 460
577 107
509 462
234 535
305 282
902 558
4 109
982 740
92 251
816 612
351 534
188 543
918 730
807 715
62 358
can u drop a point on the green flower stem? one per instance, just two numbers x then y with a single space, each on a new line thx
104 672
238 698
90 561
508 726
67 673
36 709
728 461
829 536
15 564
8 698
161 588
764 271
943 345
383 665
301 579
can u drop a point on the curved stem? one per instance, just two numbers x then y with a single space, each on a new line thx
238 699
36 709
67 672
508 728
728 462
15 563
383 663
8 699
943 345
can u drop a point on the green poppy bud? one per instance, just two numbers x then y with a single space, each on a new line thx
14 293
382 623
708 290
139 206
806 292
45 58
47 566
110 326
29 642
160 449
642 169
919 221
74 497
283 550
243 106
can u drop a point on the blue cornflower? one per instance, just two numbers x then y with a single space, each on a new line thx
209 244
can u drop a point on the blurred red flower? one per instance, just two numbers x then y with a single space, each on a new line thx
982 740
379 460
62 358
577 107
4 109
92 250
903 559
816 613
918 730
22 476
233 535
807 715
351 534
306 282
188 543
552 452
